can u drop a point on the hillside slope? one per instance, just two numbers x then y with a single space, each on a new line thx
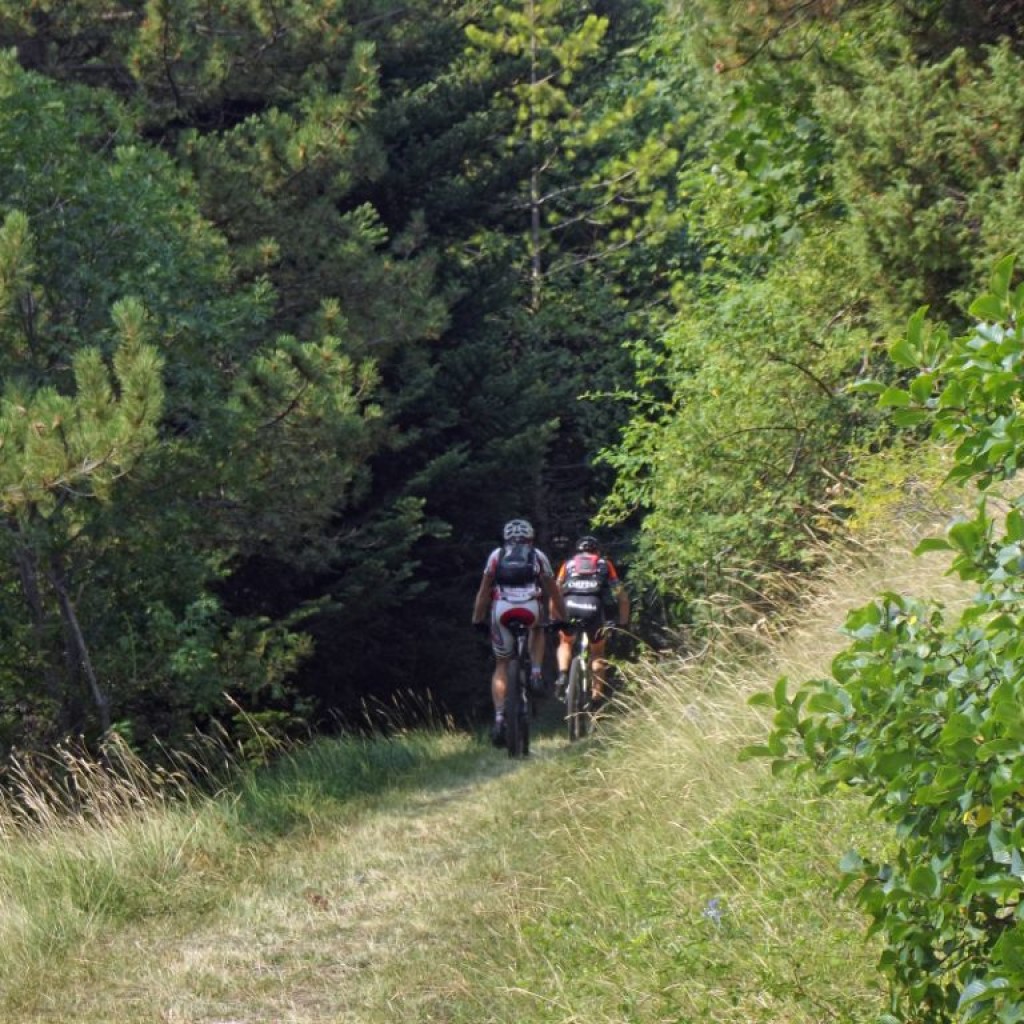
645 876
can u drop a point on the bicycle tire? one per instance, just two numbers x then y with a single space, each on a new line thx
524 711
517 720
525 700
575 701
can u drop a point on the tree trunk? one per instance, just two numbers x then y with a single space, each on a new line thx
28 574
81 649
536 269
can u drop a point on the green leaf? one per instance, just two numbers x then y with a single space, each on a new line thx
972 992
779 693
894 398
867 387
980 989
1009 951
924 881
964 536
826 702
988 307
953 396
902 354
932 544
909 417
1001 276
1014 525
921 387
867 616
907 351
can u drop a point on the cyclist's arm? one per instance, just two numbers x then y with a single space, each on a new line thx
620 592
556 606
484 594
624 609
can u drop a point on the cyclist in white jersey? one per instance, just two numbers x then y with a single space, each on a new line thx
516 579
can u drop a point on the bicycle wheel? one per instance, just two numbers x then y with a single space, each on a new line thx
524 712
517 722
575 701
524 707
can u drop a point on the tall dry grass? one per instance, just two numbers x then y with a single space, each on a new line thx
666 878
647 875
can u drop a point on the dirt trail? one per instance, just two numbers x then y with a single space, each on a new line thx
336 929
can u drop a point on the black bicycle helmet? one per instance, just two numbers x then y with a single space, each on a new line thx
588 543
517 531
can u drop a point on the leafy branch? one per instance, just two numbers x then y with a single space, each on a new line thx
922 710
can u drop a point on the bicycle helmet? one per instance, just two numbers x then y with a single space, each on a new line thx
517 530
588 543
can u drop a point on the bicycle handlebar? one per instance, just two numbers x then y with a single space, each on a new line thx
568 626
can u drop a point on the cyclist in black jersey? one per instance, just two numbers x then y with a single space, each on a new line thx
589 583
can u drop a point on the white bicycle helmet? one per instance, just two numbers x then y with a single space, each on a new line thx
517 530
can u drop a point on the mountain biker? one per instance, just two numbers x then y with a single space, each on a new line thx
516 577
589 582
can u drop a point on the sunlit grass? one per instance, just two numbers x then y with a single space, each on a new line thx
647 875
101 860
660 877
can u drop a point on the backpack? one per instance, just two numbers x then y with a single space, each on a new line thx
585 573
517 566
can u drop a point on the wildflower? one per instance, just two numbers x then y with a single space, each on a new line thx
713 911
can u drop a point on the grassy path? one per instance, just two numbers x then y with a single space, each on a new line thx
574 887
334 926
646 878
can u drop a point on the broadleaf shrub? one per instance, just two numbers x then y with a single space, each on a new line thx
924 709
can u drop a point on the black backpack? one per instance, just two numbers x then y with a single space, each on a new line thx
585 573
517 565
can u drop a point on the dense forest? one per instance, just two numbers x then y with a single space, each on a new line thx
299 301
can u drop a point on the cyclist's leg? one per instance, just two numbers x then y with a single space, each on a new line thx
499 688
537 644
598 642
563 658
499 684
502 648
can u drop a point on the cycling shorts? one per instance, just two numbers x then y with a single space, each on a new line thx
509 606
586 609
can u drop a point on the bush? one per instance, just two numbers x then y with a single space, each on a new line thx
923 709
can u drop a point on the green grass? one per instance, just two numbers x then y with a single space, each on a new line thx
647 875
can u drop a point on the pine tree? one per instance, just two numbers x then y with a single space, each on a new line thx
60 452
538 36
